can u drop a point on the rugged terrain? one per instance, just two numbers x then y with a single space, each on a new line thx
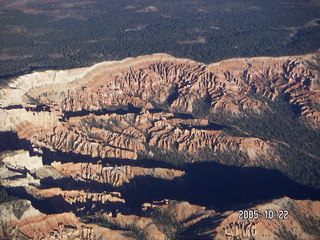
154 146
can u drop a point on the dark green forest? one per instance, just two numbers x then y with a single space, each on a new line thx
203 30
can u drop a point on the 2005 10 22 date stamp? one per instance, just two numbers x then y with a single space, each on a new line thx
251 214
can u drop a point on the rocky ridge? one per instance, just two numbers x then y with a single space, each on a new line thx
90 134
145 84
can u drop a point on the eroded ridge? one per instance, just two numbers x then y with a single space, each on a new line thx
90 138
108 111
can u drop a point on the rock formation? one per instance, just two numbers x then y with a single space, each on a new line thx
78 103
113 175
84 139
301 213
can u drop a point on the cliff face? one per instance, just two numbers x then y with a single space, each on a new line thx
107 110
114 175
145 82
91 137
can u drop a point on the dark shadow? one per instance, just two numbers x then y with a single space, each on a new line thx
209 184
219 187
5 196
211 126
173 95
19 106
203 228
118 110
66 157
57 204
182 116
11 141
69 183
43 205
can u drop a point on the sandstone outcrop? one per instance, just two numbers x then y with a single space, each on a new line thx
79 104
31 224
91 134
22 160
60 226
113 175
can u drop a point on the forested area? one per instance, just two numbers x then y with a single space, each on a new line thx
205 31
297 144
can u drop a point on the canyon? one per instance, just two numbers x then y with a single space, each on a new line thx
158 147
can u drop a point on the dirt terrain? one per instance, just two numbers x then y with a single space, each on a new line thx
84 140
